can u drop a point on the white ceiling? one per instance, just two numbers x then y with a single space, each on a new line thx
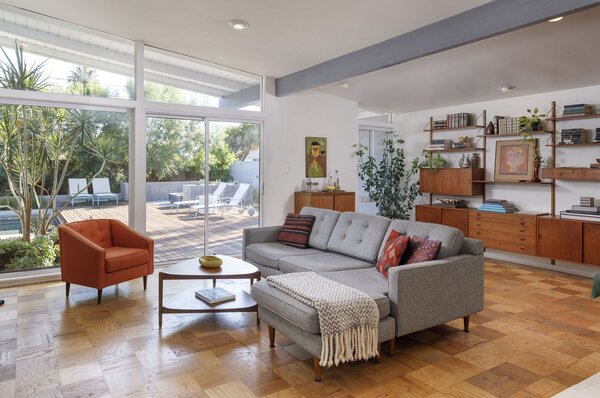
287 36
541 58
284 35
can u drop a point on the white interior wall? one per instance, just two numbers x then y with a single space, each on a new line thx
526 197
289 120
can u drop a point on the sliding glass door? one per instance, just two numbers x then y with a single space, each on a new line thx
234 160
202 186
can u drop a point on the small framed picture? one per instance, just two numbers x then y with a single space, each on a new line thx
514 160
316 157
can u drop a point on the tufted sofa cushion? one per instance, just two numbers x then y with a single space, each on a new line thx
358 235
325 221
451 238
98 231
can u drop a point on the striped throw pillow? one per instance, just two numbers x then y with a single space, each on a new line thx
296 230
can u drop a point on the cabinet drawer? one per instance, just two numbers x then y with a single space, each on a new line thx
479 233
522 248
510 219
504 228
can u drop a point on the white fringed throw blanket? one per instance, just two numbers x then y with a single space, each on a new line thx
348 318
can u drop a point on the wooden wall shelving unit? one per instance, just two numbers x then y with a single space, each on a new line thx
532 234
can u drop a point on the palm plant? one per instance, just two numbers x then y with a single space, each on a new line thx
84 76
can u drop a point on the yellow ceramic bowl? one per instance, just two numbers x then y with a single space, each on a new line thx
210 262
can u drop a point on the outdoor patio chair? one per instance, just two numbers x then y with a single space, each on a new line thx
101 188
213 197
236 201
78 191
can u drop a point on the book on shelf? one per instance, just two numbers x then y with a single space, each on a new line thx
580 217
579 110
214 295
498 206
585 209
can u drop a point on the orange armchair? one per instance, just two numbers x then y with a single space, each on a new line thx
101 253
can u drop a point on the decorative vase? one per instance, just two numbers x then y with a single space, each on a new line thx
490 130
464 162
536 170
475 160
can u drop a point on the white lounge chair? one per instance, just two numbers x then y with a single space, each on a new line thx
78 191
101 188
216 195
237 200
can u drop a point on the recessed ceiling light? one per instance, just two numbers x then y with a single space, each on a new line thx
506 89
555 19
238 24
344 84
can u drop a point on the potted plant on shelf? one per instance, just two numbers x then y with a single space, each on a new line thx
390 181
434 161
533 122
537 158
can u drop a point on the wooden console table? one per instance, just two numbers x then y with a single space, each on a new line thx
337 200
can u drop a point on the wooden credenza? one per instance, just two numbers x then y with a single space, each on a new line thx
515 232
340 200
569 240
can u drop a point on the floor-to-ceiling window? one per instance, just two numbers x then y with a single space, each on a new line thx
88 118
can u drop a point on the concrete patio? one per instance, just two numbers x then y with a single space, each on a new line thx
177 235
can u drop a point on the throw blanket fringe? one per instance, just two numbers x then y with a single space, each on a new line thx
348 318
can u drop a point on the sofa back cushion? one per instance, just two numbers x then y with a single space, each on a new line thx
450 237
325 221
98 231
358 235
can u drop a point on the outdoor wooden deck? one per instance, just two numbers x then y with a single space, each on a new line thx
177 236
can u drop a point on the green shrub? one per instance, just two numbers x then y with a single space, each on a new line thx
41 252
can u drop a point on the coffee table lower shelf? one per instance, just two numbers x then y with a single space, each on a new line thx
187 303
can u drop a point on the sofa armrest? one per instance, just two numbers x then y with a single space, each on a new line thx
259 235
471 246
81 260
434 292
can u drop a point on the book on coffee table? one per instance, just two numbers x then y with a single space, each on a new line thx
214 295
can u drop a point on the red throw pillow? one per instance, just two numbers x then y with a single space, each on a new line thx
394 248
422 249
296 230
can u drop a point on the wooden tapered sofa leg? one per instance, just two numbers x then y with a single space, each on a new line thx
317 368
391 346
271 336
145 281
466 322
99 296
68 288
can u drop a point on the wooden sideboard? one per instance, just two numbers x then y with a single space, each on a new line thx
337 200
535 235
515 232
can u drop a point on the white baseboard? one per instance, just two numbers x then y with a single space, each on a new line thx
560 266
29 277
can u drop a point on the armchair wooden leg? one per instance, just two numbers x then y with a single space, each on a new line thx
99 296
68 288
271 336
145 281
466 322
317 368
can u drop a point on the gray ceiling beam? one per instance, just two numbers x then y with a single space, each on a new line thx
488 20
245 97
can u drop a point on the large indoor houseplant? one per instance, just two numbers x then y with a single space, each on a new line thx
390 181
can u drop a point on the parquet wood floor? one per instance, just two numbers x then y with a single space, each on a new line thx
539 334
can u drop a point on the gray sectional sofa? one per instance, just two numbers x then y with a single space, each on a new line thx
344 247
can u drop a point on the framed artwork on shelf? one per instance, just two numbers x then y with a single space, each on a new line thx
514 160
316 157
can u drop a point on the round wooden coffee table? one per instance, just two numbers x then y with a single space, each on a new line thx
186 302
